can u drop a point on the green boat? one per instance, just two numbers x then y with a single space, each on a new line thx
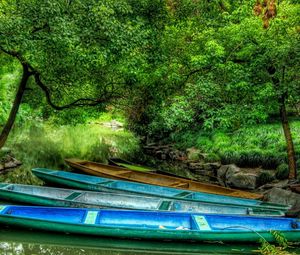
94 183
150 225
39 195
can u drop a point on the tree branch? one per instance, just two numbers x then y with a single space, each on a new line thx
79 102
18 56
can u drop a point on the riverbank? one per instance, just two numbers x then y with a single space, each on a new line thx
253 146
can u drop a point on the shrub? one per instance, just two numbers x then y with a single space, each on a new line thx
212 157
264 177
282 171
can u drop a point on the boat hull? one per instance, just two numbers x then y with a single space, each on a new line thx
119 173
38 195
93 183
144 225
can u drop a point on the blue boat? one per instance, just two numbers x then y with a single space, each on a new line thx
57 197
95 183
150 225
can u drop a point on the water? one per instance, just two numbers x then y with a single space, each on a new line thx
26 242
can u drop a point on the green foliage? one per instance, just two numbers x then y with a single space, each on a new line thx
212 157
264 177
282 171
270 249
214 66
257 146
42 145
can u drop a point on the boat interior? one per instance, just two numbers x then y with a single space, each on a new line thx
152 220
103 199
152 178
127 186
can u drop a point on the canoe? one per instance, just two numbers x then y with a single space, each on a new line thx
39 195
150 225
136 167
94 183
126 164
119 173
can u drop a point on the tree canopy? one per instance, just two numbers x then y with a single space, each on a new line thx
169 65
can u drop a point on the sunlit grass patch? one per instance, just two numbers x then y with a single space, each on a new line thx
42 145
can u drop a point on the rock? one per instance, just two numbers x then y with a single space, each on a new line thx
195 154
221 174
211 166
280 184
242 180
1 167
233 176
176 154
17 162
232 170
10 164
195 166
286 197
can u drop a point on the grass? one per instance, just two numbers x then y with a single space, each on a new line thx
41 145
260 145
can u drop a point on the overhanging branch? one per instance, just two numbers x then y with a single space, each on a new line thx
18 56
77 103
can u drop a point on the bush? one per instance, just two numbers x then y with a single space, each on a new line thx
282 171
212 157
264 177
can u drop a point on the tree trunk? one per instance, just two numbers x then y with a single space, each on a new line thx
14 110
288 139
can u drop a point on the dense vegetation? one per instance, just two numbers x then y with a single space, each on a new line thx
210 70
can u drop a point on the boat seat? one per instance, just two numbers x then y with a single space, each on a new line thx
73 195
124 172
164 205
180 184
183 194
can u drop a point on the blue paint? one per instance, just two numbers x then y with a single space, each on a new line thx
152 220
102 184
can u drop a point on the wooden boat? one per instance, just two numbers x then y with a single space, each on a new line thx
129 165
114 172
94 183
39 195
136 167
150 225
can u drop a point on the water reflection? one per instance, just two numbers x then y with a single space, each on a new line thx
22 242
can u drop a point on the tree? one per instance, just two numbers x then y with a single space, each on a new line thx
227 67
285 58
73 50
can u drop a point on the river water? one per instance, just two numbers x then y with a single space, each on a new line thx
29 242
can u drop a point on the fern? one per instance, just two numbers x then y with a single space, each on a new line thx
269 249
